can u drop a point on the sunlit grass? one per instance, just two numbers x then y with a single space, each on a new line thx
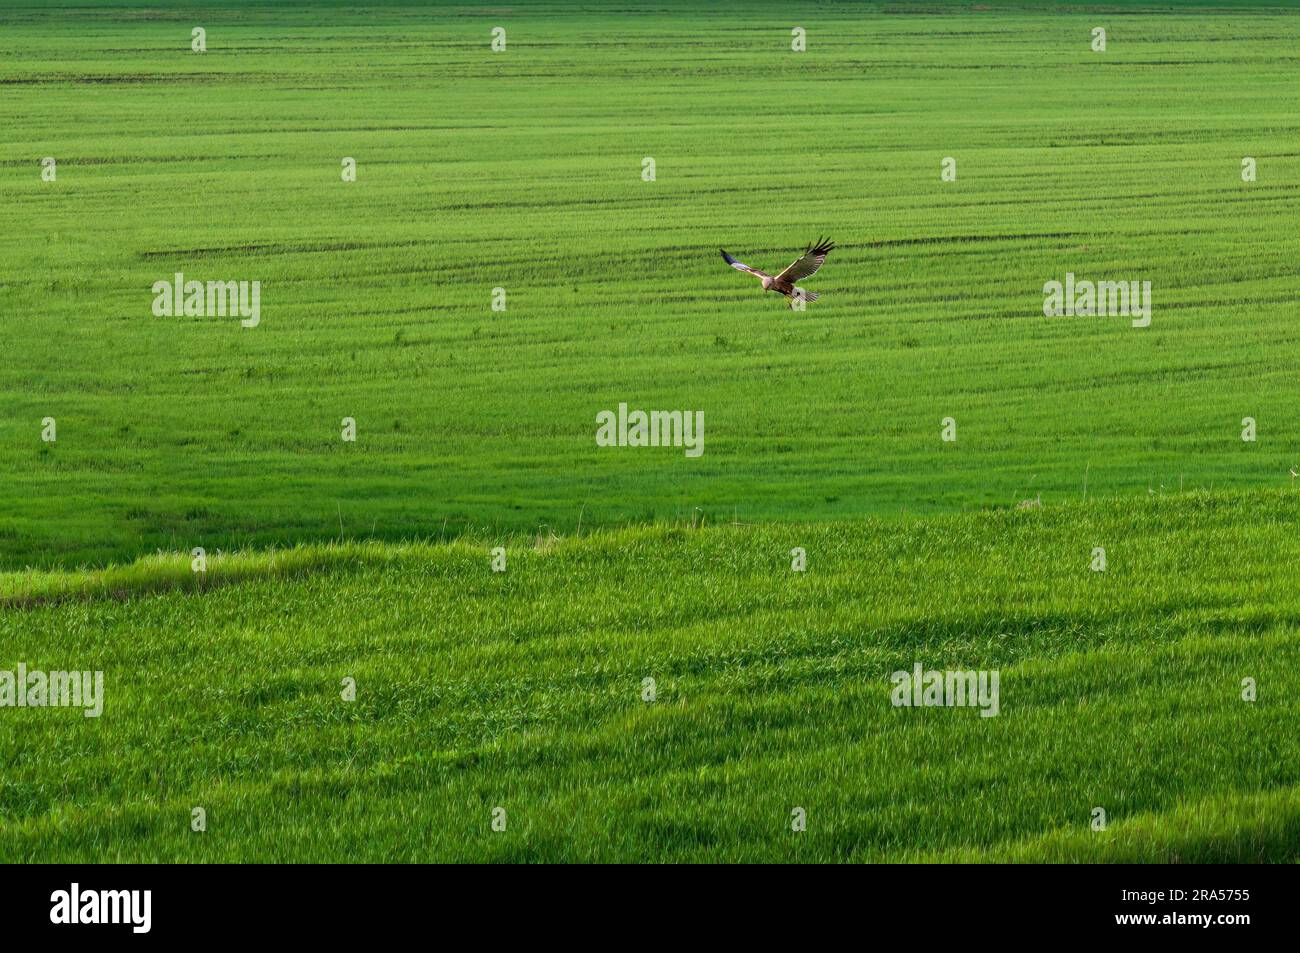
522 170
524 690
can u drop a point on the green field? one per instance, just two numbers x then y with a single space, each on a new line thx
523 690
522 170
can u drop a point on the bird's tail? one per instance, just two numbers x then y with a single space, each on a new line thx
806 295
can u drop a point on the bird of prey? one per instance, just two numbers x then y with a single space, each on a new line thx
784 283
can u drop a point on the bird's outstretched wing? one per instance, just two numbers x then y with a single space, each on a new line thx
741 266
807 263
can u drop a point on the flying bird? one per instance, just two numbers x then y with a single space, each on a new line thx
784 283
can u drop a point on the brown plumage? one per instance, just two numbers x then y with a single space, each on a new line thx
805 265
